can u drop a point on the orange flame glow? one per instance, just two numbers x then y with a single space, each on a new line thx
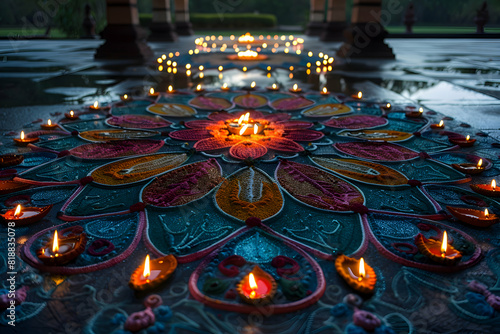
486 213
360 95
362 272
493 185
444 245
55 243
18 211
480 163
22 135
146 271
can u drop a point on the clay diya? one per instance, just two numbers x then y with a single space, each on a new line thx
438 251
474 217
153 272
8 160
358 96
439 126
171 90
244 126
26 216
49 125
22 141
7 187
273 88
324 91
358 275
199 89
95 106
417 114
258 287
469 168
295 89
486 189
71 115
225 87
60 251
467 142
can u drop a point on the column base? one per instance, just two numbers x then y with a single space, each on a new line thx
365 40
162 31
333 32
314 28
124 41
184 28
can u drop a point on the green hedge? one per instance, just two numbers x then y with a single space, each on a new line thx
229 21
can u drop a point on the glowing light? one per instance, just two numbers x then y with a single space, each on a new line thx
72 113
160 68
55 243
22 135
49 122
441 123
362 272
264 45
174 64
18 211
198 87
486 213
169 62
188 72
151 91
253 285
201 67
467 138
255 129
276 87
420 110
310 54
221 68
202 75
243 129
170 89
146 273
240 120
320 55
96 104
360 95
480 163
493 185
286 50
444 245
247 38
325 91
163 56
247 117
159 60
224 86
295 87
269 68
388 105
291 68
244 68
252 85
248 54
125 97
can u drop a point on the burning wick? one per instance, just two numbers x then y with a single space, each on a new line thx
252 85
96 105
255 129
360 95
224 86
325 91
479 163
55 244
49 122
444 245
22 135
253 285
493 185
388 106
420 110
274 86
441 124
72 113
198 88
18 211
151 91
295 87
125 96
170 89
362 272
467 138
146 273
486 213
243 129
240 120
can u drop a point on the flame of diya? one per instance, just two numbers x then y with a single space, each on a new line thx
247 38
245 126
470 168
438 251
60 251
153 272
357 274
26 216
474 217
438 126
258 287
486 189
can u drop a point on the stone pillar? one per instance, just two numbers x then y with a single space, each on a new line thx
316 18
125 39
365 36
335 21
161 26
182 24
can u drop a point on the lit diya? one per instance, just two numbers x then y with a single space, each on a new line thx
95 106
324 91
486 189
358 275
199 89
387 106
474 217
152 92
24 141
357 96
49 125
26 216
273 88
171 90
417 114
247 55
295 89
8 160
225 87
245 126
71 115
125 97
258 287
470 168
467 142
439 126
438 251
252 86
153 272
61 251
247 38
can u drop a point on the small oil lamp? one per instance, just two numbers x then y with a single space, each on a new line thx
171 89
356 273
467 142
439 126
257 288
22 141
8 160
486 189
49 125
95 106
61 251
358 96
199 89
247 38
474 217
244 126
324 91
125 97
225 87
273 88
71 115
438 251
419 113
152 92
295 89
469 168
26 216
387 106
153 272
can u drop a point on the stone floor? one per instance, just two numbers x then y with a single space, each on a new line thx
457 77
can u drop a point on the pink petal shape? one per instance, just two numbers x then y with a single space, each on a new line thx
281 144
211 144
303 135
199 124
220 116
190 134
295 125
376 151
247 149
356 122
277 117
